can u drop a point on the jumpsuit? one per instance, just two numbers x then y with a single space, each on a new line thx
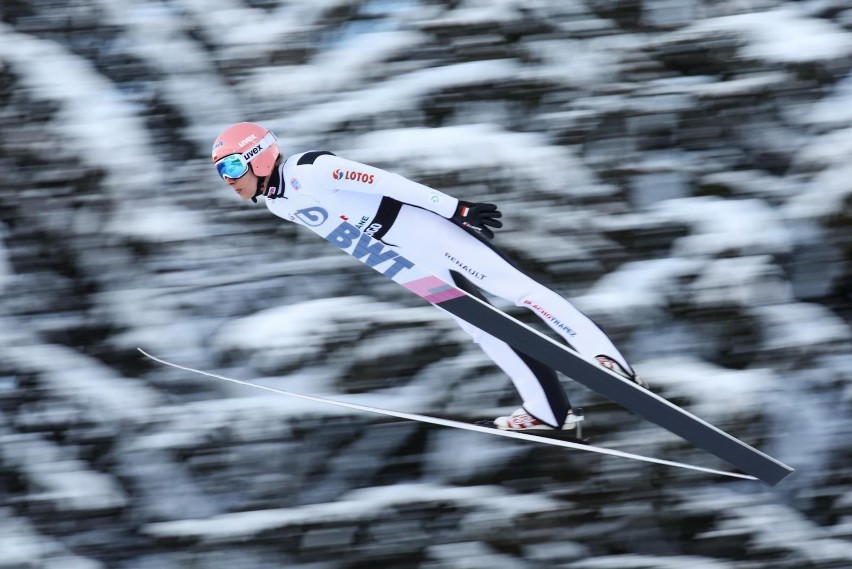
414 219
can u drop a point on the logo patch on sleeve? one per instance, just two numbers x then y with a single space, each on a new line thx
339 174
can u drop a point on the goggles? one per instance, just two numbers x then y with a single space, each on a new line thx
235 166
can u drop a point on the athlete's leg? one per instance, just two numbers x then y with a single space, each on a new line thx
539 387
542 393
453 248
579 330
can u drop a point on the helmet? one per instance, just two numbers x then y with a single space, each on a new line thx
255 146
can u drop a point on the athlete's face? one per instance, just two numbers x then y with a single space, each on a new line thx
245 185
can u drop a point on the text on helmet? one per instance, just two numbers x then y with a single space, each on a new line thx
246 140
254 151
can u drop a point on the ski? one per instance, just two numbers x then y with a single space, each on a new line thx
338 231
454 424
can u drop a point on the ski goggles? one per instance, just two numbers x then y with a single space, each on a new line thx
235 166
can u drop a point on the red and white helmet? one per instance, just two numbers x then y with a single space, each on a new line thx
242 146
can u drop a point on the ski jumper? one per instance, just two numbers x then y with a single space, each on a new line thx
414 220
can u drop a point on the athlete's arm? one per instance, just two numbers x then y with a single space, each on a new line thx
336 173
339 174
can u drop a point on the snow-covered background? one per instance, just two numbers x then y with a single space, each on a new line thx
679 168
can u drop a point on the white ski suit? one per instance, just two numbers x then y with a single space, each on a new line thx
414 219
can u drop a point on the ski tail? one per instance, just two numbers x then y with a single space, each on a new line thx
455 424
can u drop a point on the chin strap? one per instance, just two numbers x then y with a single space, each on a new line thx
259 191
270 186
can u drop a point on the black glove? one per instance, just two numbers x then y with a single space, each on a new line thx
477 217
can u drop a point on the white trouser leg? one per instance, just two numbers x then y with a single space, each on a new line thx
533 393
440 246
578 329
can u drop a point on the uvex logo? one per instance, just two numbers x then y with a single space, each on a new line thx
352 175
251 153
246 140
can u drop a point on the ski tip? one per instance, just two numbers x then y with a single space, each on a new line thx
149 355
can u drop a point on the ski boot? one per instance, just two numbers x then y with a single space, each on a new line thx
612 365
522 421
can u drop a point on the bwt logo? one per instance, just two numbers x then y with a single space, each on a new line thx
339 174
368 250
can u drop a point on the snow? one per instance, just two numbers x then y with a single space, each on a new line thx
556 552
776 528
480 454
72 562
834 109
21 546
6 272
77 377
830 149
709 88
158 327
358 505
18 543
629 561
473 555
482 149
783 35
591 62
66 483
397 94
157 34
347 66
742 281
802 326
244 419
638 288
754 183
76 489
714 393
825 194
746 226
473 13
237 27
99 125
303 330
159 223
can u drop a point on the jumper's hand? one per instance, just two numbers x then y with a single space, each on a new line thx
478 218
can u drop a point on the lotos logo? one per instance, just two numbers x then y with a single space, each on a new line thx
353 175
